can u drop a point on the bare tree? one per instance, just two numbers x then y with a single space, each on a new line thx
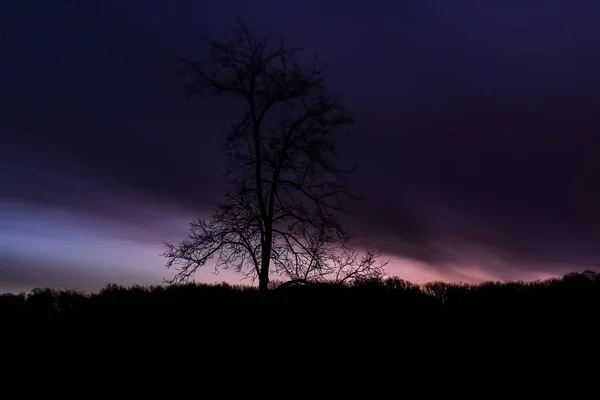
280 216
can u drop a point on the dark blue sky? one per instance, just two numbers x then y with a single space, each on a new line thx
477 132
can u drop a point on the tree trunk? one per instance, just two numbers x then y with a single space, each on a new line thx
263 277
263 284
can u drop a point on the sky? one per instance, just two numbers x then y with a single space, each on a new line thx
476 133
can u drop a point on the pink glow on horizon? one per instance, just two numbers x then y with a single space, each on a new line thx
92 252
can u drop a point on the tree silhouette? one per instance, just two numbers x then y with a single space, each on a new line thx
280 216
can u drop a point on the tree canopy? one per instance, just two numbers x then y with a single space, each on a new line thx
281 214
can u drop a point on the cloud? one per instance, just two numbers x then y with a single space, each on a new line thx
76 203
526 199
476 136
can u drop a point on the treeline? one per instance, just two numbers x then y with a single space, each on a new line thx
494 335
571 296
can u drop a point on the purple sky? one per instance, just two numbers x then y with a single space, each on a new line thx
477 133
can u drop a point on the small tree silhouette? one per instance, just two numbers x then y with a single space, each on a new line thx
287 188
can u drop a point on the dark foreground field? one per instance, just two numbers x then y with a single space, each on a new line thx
376 334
